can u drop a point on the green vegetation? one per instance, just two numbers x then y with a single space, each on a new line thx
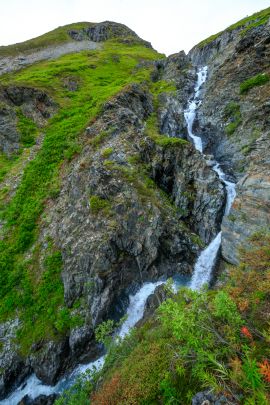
19 284
98 204
6 164
106 153
198 340
254 81
27 128
245 25
232 112
161 140
55 37
98 139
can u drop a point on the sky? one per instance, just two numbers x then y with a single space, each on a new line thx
170 25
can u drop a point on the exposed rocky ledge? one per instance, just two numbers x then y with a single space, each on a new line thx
100 32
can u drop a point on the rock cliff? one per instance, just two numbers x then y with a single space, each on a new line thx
234 122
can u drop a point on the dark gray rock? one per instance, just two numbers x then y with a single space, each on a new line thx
9 135
192 184
13 369
208 398
35 104
49 361
154 300
176 69
105 30
40 400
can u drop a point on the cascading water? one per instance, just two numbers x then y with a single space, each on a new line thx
193 104
207 259
34 387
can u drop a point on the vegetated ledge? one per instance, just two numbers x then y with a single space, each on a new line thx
244 25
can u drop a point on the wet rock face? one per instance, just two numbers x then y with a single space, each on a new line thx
40 400
193 186
49 361
154 300
34 104
176 69
235 128
12 365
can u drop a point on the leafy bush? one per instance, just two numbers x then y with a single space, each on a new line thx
254 81
106 153
98 204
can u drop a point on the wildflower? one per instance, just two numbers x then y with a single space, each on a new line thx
264 370
245 331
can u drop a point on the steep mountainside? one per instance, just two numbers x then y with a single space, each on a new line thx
234 120
102 190
93 214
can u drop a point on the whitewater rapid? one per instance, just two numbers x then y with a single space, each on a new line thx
206 261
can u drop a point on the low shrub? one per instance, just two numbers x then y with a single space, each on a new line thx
254 81
98 204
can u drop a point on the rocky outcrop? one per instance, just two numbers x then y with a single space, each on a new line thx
208 398
193 186
13 367
40 400
9 135
175 69
33 103
104 31
250 213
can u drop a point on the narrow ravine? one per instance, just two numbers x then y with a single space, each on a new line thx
206 261
33 387
202 274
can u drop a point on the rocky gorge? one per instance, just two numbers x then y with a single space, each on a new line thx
125 199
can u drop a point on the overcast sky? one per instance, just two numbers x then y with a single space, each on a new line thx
170 25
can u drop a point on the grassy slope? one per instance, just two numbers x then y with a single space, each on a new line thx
245 24
213 339
55 37
100 74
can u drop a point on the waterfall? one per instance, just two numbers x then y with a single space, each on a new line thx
201 275
207 259
193 104
34 387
